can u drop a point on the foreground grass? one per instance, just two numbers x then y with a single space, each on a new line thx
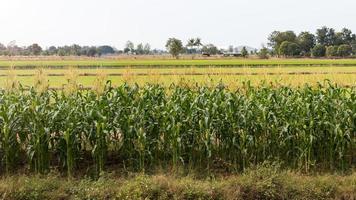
167 62
263 182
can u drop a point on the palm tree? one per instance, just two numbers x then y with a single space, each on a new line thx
197 43
191 44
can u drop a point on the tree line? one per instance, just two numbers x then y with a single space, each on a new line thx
74 50
326 42
174 46
195 46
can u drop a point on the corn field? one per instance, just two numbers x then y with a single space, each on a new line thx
140 128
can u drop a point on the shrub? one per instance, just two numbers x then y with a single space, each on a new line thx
344 50
318 51
332 51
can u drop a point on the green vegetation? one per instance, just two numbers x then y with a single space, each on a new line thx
318 51
282 43
209 127
231 81
244 52
289 49
332 51
263 53
175 47
287 43
53 63
186 70
191 121
233 77
142 128
263 182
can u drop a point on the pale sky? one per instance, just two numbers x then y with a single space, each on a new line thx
113 22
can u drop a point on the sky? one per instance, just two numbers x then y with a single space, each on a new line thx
113 22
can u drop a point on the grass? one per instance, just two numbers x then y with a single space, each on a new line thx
230 80
232 72
233 77
262 182
170 62
329 69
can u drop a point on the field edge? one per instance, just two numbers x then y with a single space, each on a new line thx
263 182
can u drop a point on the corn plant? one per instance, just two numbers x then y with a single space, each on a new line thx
37 115
140 128
11 123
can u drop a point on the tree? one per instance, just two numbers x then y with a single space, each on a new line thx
3 49
344 50
12 48
61 52
193 45
338 39
289 49
347 36
66 51
92 52
331 37
332 51
318 51
321 35
276 38
326 36
147 49
244 52
353 45
35 49
174 47
263 53
129 47
197 43
106 49
306 42
210 49
84 50
190 45
139 49
52 50
75 50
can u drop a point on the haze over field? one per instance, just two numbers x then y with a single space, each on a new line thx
112 22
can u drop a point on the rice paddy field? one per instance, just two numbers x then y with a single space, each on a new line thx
164 62
231 79
231 72
236 129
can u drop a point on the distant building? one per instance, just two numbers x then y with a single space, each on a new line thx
232 54
236 52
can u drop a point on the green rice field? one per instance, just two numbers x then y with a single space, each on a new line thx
58 62
230 76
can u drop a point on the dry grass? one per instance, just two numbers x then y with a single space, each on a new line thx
256 184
